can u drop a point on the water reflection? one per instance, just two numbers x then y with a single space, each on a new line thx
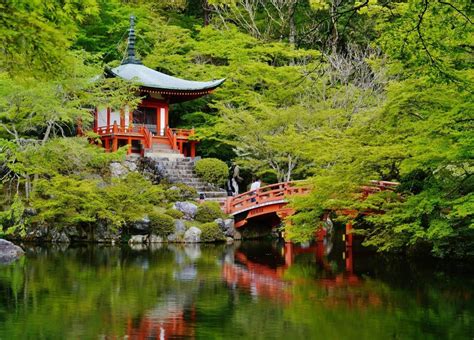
247 290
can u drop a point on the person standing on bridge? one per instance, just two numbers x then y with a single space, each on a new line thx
234 179
253 188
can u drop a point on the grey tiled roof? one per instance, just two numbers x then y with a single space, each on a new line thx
148 77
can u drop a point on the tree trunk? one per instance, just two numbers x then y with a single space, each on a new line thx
206 12
292 33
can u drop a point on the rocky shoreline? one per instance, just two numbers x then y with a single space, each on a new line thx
186 230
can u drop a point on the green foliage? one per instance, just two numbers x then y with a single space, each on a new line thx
13 220
180 192
211 232
161 224
212 170
174 213
208 211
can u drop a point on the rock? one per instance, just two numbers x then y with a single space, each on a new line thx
118 170
103 234
229 240
9 252
141 225
179 227
220 223
59 236
155 239
36 233
130 165
138 239
192 235
179 230
229 229
188 209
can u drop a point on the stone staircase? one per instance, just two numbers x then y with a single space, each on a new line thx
179 169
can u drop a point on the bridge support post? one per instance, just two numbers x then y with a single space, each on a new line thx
349 234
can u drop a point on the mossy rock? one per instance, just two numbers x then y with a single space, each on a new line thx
211 232
208 212
161 224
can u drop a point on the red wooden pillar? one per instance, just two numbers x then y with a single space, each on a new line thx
108 119
193 149
114 144
288 254
349 234
129 151
107 144
349 260
130 119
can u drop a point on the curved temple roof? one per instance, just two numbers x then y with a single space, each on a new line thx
148 77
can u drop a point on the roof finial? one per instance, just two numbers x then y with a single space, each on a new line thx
131 59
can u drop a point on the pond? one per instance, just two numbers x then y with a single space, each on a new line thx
251 290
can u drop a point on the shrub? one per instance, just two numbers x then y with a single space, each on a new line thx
161 224
174 213
212 170
208 212
211 232
180 192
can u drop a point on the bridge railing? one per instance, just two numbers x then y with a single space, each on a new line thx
267 194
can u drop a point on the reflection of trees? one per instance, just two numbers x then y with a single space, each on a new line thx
207 292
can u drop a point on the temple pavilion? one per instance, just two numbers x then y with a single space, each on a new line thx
147 127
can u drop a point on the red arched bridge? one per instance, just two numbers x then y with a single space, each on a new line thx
271 200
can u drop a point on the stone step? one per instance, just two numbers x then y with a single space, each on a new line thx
214 194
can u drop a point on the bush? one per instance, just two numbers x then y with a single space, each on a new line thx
208 212
174 213
212 170
161 224
180 192
211 232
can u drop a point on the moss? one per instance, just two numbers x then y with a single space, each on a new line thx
212 170
208 212
161 224
180 192
211 232
174 213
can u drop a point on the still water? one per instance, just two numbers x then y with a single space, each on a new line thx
252 290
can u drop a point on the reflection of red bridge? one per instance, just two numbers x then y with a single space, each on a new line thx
272 200
268 282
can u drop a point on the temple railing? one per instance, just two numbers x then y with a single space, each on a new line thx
171 138
183 133
116 129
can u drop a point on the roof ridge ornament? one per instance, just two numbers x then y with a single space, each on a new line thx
130 58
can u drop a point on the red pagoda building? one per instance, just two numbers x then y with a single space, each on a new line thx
147 128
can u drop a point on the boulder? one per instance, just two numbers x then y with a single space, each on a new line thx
179 230
59 236
103 234
188 209
9 252
229 240
118 170
220 223
192 235
155 239
138 239
229 229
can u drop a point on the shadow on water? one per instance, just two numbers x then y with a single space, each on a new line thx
253 289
